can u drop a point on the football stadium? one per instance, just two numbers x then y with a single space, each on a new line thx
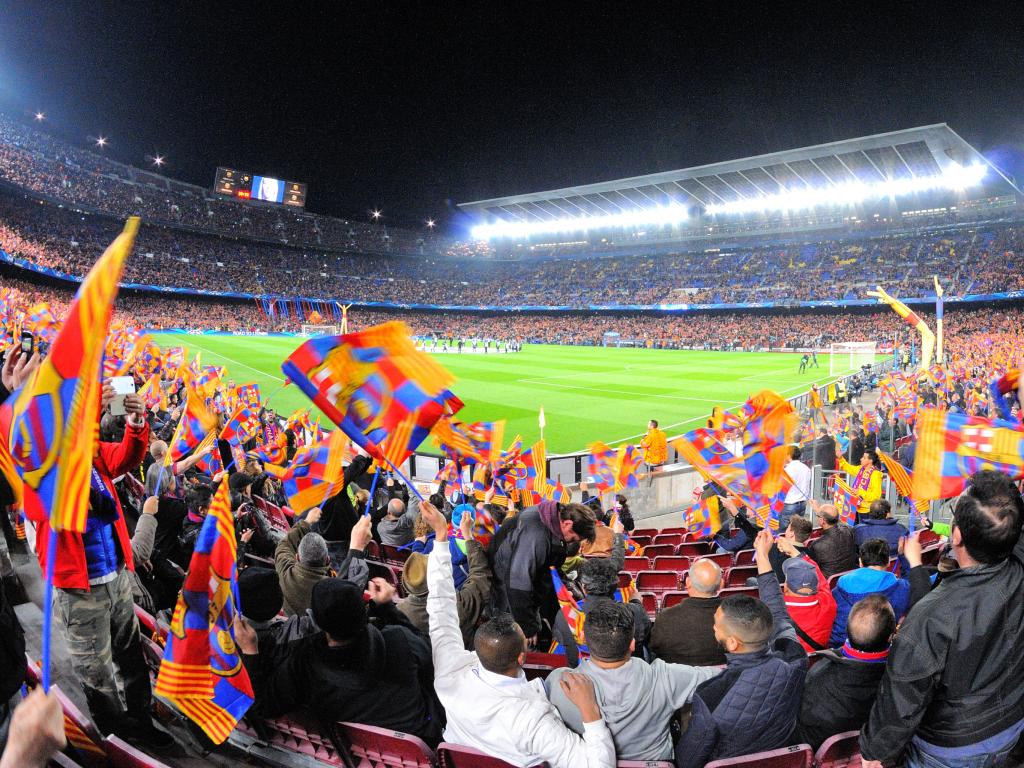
559 422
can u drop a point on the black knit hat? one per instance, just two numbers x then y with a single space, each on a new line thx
338 608
259 592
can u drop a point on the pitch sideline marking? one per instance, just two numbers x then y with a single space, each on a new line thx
239 362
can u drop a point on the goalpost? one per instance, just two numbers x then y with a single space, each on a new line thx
849 356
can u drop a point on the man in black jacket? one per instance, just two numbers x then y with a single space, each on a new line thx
378 673
835 551
521 554
753 705
843 684
954 683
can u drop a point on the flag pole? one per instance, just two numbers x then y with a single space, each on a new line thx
542 421
938 319
51 555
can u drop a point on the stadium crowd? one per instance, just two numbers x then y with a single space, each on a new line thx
986 260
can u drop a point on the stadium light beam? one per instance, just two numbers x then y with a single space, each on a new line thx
663 215
101 141
376 214
157 160
431 223
801 198
40 116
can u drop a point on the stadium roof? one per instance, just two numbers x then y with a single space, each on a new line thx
914 153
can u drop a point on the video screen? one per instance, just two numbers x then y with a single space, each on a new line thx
268 189
232 183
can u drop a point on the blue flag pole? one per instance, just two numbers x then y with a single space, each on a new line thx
373 489
51 555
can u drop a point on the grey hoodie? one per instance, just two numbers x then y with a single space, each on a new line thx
637 702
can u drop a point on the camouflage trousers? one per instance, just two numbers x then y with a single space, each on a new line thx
101 630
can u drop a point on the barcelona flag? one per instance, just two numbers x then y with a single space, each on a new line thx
953 446
846 502
903 479
48 428
614 469
240 429
704 517
153 394
709 456
571 611
201 672
273 453
250 395
198 425
315 473
476 443
769 423
376 386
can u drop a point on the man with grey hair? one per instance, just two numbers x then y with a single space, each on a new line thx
158 473
396 529
301 560
684 633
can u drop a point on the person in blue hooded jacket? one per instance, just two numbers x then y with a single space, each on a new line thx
879 525
873 577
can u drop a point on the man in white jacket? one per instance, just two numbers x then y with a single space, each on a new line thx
489 703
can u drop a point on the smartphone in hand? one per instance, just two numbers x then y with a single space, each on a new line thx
123 385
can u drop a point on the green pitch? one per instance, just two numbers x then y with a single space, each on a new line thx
588 393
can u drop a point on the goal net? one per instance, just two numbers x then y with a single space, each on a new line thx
849 356
320 330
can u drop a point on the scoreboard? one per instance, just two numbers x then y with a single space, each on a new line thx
248 186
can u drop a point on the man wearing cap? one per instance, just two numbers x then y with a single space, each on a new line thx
809 602
471 599
374 672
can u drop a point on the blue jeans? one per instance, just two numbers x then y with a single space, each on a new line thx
989 754
788 510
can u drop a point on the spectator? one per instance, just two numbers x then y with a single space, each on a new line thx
843 684
878 525
796 534
523 550
471 599
375 672
396 527
799 492
36 732
489 703
637 699
684 633
93 595
867 480
753 705
834 551
808 600
825 450
872 577
599 578
655 446
953 688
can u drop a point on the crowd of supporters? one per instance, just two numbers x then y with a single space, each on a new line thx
968 261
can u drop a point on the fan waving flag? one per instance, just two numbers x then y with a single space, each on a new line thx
376 386
198 425
476 443
903 479
704 517
574 617
953 446
48 428
769 423
846 502
315 473
242 427
614 469
201 672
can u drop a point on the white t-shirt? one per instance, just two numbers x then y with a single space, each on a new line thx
800 474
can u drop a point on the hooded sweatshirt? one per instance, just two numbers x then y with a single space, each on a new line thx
637 702
857 585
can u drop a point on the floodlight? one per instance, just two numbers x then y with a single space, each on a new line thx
662 215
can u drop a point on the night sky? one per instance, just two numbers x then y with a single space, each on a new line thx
412 107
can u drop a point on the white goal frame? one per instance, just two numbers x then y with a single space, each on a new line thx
320 330
848 356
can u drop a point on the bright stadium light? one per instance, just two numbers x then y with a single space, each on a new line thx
40 117
101 141
376 214
658 216
158 160
954 177
431 223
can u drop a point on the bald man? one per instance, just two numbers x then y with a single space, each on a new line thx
684 634
165 476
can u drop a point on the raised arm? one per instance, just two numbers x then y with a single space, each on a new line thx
447 649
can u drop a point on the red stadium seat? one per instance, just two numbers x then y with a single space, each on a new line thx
153 652
672 563
927 537
931 556
668 538
643 541
120 754
724 559
693 549
394 555
834 579
147 621
675 530
652 532
83 737
894 565
625 579
457 756
657 581
636 564
553 660
673 598
729 591
839 751
787 757
372 551
373 747
299 733
738 575
644 764
745 557
60 760
657 550
650 603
